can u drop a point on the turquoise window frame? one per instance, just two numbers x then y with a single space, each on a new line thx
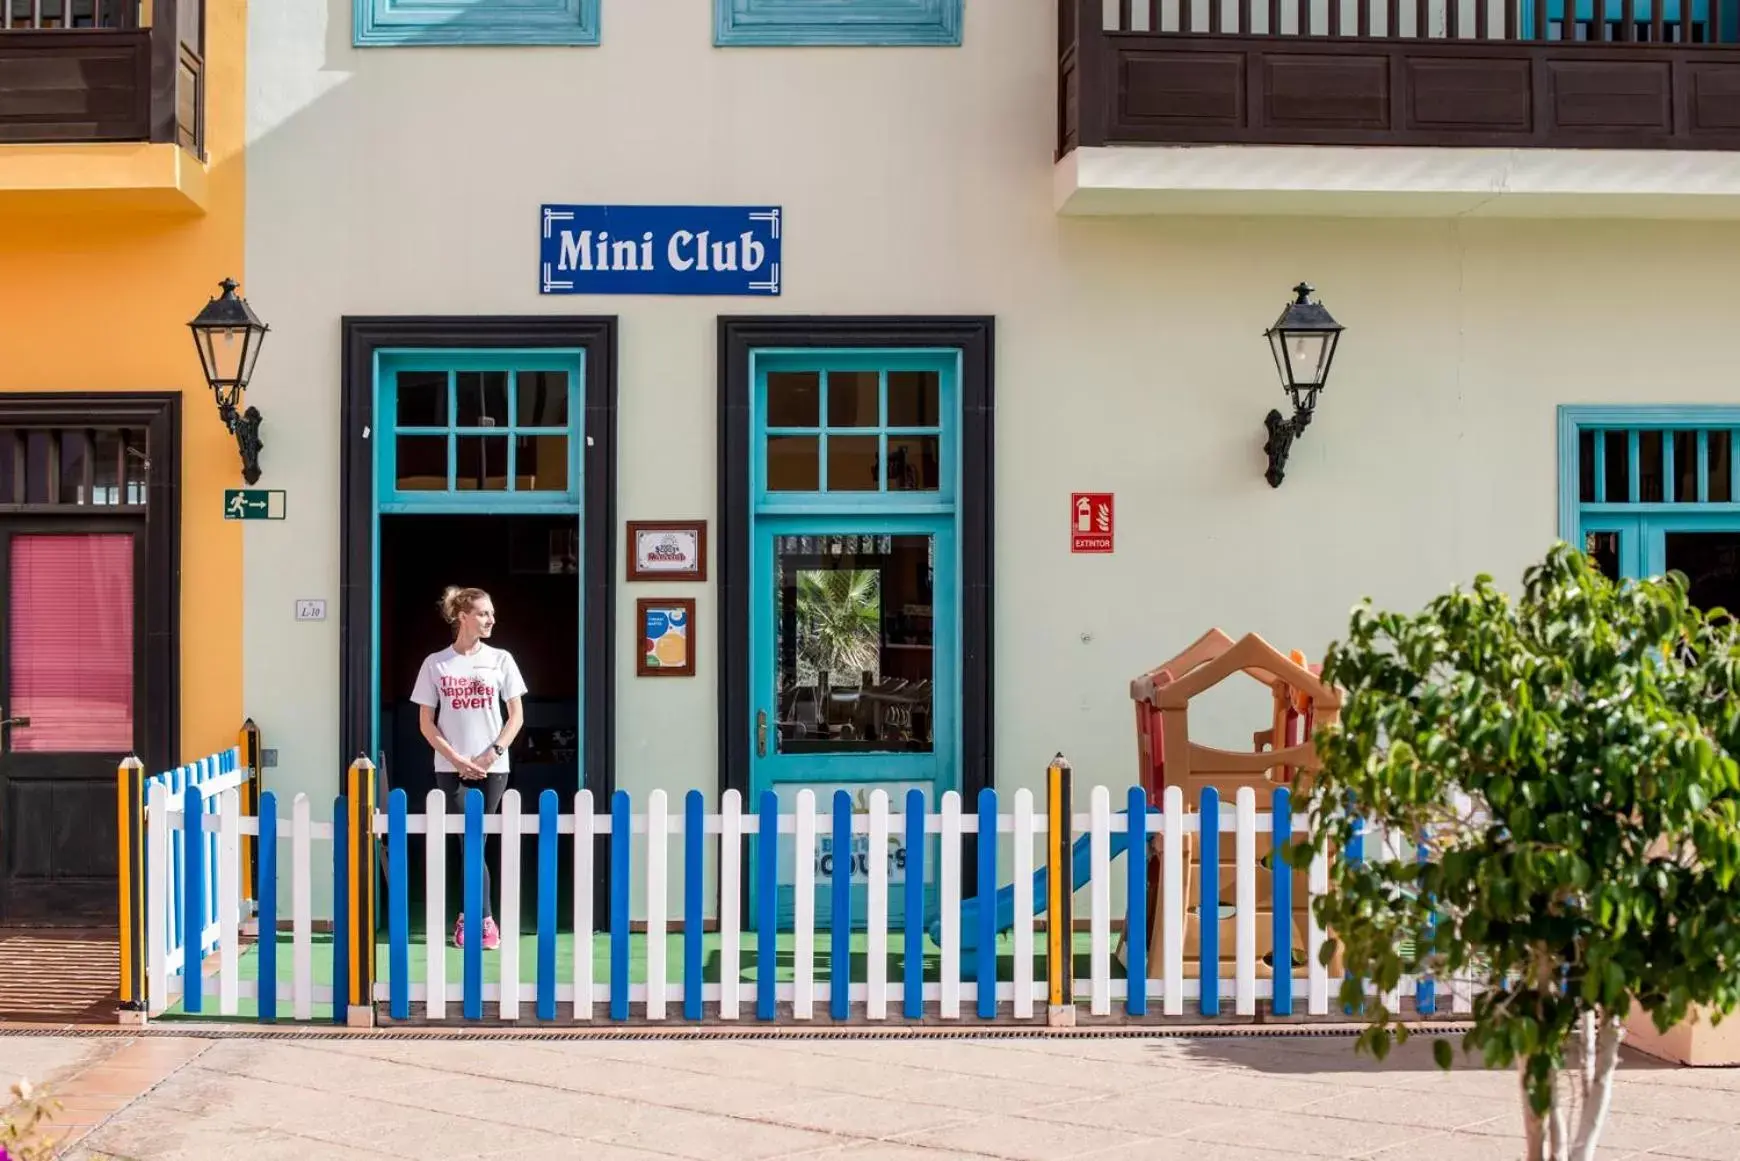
870 23
401 23
1643 528
389 363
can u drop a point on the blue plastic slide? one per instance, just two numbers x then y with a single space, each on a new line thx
1080 868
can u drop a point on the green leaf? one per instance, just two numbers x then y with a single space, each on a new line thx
1441 1054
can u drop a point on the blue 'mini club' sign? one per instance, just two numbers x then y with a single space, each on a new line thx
660 250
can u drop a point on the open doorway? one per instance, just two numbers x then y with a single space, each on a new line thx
530 567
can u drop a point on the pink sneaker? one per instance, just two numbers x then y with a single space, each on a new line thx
459 932
491 935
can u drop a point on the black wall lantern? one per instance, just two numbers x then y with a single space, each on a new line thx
229 335
1303 340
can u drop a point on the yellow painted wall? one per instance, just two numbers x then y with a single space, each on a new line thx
99 300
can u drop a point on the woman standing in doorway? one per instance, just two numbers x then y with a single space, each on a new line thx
460 691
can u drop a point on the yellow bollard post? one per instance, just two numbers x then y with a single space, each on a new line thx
130 864
1060 897
360 802
248 743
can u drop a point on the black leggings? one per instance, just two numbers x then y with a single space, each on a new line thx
454 787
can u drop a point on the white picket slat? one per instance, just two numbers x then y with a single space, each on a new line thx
1245 899
804 920
1023 913
1317 975
157 879
730 904
229 883
435 905
585 822
1100 917
658 822
1395 848
507 922
1172 901
301 910
876 911
949 876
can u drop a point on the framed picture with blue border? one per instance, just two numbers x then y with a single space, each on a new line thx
667 636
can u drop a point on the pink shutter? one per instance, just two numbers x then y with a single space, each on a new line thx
71 647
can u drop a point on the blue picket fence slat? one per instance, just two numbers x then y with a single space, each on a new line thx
913 965
621 838
1136 905
694 841
840 920
1281 908
398 907
340 908
266 868
549 812
766 905
1208 905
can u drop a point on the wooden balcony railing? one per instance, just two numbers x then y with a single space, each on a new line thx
1625 74
96 70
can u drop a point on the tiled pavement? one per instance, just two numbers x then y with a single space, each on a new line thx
856 1100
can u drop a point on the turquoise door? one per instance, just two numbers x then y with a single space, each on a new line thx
855 608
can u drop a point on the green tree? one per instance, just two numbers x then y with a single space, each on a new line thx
1567 760
839 611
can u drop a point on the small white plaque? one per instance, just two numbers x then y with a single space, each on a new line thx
308 610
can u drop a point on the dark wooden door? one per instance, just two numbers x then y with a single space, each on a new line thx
71 664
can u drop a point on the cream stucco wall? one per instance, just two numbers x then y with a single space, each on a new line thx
1129 356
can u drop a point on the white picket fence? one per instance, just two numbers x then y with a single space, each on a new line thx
693 839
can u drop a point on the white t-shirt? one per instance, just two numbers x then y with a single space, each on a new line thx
467 692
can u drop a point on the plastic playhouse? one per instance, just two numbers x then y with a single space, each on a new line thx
1281 755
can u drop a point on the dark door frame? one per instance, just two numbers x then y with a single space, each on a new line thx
974 338
157 585
363 336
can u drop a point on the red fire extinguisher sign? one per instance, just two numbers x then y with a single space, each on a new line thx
1090 522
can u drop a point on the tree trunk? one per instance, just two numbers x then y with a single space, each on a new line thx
1598 1091
1534 1128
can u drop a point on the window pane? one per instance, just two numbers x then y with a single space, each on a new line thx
854 398
38 488
1618 467
1603 548
1711 562
482 398
133 459
913 399
542 399
482 464
422 399
853 644
1649 467
794 399
793 463
1721 467
852 463
106 472
75 449
70 659
422 463
913 463
1685 467
541 463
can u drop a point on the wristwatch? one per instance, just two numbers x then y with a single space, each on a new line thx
496 746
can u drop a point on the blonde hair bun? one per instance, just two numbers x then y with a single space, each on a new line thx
456 600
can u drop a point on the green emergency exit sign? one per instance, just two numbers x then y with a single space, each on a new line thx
253 504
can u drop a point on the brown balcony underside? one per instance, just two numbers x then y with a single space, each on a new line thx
1131 88
106 84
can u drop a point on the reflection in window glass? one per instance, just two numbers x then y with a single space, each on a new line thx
481 464
913 399
422 399
1603 549
794 399
854 398
1721 467
852 463
541 463
1711 562
541 399
1618 467
482 398
913 463
793 463
422 463
853 653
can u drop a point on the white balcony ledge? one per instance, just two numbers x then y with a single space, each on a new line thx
1394 181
